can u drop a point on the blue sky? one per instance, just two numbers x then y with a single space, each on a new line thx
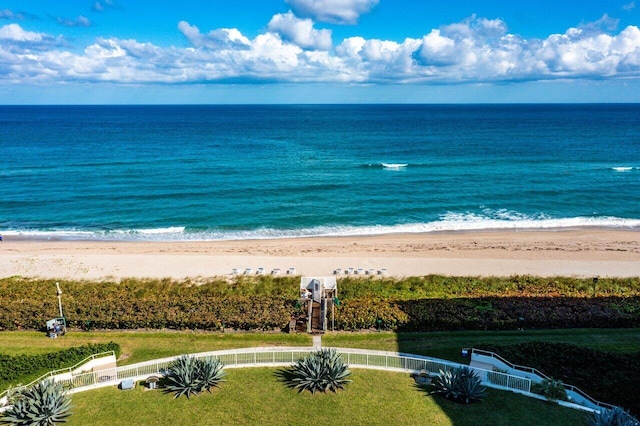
318 51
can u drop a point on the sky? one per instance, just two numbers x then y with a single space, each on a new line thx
318 51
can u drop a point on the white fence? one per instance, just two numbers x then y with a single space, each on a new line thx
576 394
85 364
284 356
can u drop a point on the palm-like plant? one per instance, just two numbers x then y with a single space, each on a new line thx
44 404
460 384
189 376
613 417
321 371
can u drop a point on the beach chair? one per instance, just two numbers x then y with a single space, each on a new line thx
275 271
360 271
248 271
291 271
260 271
337 271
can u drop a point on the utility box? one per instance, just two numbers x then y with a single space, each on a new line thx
56 327
127 384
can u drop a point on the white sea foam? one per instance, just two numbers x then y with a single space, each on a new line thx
450 222
623 169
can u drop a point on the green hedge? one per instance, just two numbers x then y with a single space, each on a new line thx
605 376
14 369
267 303
492 313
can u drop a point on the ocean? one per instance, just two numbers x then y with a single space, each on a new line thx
242 172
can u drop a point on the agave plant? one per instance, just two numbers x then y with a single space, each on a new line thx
189 376
321 371
43 404
460 384
613 417
551 388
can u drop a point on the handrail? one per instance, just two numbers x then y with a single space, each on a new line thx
543 376
60 371
280 356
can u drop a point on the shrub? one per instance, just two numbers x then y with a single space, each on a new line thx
614 417
28 367
321 371
616 373
550 388
460 384
189 376
46 403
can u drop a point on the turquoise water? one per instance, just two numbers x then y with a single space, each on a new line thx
236 172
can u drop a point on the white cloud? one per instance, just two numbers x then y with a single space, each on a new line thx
604 24
437 49
80 21
14 32
101 6
629 6
216 39
333 11
476 50
300 31
577 53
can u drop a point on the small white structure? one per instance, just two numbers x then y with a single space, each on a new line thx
319 294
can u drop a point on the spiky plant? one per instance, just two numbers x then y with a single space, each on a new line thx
189 376
210 373
613 417
551 388
44 404
460 385
320 371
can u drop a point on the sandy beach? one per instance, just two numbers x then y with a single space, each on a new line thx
581 253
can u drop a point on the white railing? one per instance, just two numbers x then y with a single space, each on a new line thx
284 356
68 370
533 372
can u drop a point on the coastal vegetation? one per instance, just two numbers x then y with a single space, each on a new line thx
428 303
430 315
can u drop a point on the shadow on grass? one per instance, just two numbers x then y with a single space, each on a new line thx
498 407
286 376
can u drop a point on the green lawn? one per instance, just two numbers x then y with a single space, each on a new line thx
140 346
145 345
255 396
447 345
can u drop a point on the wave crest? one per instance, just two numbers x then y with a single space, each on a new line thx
494 220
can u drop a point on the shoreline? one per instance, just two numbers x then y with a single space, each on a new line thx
575 252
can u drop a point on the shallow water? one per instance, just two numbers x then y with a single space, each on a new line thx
234 172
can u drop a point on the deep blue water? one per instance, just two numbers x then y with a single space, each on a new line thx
217 172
